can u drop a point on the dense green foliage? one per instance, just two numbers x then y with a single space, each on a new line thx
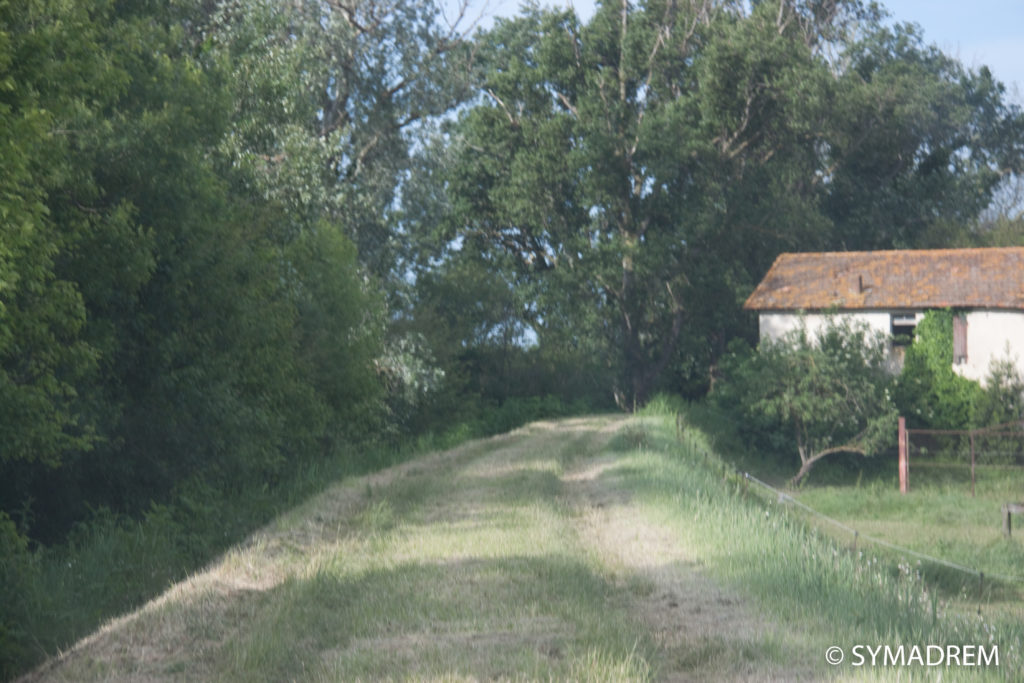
821 394
929 392
640 172
240 239
162 328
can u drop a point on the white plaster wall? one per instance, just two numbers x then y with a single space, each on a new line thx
992 335
775 325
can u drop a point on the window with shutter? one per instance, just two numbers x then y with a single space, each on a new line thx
959 339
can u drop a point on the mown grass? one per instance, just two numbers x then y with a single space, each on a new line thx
467 571
478 569
477 575
51 596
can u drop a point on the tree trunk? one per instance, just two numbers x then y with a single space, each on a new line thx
809 463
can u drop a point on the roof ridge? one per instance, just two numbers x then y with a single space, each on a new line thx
874 252
970 277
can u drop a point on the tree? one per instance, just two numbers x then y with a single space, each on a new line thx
918 145
821 395
628 166
159 319
645 168
329 99
44 353
143 325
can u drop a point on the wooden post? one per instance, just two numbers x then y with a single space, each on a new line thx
972 463
904 465
1010 509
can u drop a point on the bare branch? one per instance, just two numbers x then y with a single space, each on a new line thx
455 32
508 113
568 105
351 16
360 159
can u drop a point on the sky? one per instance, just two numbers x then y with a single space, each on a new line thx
977 32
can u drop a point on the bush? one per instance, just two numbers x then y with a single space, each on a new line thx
817 396
1002 398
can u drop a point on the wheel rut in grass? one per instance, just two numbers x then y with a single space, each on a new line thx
462 564
703 631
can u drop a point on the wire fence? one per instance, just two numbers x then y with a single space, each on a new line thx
784 497
981 457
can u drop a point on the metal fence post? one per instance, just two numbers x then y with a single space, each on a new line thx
904 465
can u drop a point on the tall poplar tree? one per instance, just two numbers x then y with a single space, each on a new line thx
625 162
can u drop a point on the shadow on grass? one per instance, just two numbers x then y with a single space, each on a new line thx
475 618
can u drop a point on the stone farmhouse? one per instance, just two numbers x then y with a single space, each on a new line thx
891 290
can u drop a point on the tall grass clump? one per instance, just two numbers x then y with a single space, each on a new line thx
841 596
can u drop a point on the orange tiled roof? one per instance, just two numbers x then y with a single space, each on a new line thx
918 279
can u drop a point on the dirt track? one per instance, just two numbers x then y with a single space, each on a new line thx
696 624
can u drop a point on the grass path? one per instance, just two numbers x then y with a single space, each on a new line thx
524 556
702 630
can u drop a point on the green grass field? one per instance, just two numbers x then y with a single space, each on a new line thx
596 549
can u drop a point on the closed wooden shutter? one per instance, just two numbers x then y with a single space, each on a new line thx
959 338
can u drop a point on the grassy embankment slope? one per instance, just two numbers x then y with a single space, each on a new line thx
596 549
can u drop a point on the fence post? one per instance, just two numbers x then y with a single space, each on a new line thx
903 445
972 463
